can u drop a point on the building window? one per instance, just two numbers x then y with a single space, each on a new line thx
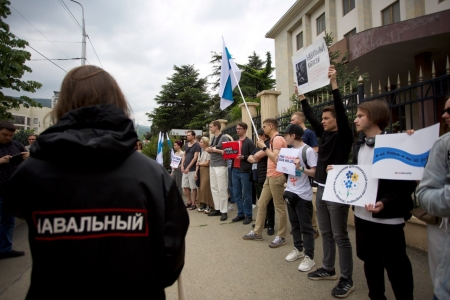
350 33
35 129
18 120
348 6
35 121
391 14
28 121
321 24
300 40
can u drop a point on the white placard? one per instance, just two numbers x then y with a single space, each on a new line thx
175 161
311 66
401 156
285 163
351 184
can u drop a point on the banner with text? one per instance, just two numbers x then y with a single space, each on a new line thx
285 163
351 184
311 66
402 156
175 161
231 149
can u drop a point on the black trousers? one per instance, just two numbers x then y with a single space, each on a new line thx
381 247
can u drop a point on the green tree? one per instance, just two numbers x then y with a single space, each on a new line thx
183 101
12 67
22 136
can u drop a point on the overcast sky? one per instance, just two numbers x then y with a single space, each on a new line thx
139 41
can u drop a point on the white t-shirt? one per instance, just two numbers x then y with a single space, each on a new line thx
300 184
365 157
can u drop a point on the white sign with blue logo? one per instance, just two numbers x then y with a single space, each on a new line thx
402 156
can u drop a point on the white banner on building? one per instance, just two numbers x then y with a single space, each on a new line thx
183 132
311 67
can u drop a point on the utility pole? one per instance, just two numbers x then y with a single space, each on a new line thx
83 40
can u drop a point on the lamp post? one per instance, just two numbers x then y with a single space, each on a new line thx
83 41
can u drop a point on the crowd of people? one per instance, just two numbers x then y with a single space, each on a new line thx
380 239
111 217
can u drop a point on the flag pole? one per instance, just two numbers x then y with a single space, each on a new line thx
248 111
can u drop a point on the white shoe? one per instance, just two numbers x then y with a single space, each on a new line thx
306 264
294 255
253 206
232 206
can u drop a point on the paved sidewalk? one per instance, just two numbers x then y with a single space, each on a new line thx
221 265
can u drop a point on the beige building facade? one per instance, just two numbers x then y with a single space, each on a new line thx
385 38
32 118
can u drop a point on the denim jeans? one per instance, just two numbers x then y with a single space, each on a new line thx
242 192
332 218
230 184
300 215
7 224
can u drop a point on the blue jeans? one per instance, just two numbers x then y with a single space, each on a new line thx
332 219
7 224
242 192
230 184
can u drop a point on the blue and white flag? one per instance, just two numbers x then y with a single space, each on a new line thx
228 81
159 154
170 146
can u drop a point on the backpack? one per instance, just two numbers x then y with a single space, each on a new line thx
305 160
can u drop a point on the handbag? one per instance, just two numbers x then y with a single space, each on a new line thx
422 215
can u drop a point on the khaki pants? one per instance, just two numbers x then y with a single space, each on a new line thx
273 188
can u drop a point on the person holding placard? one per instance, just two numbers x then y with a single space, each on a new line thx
334 148
434 199
298 195
176 171
380 240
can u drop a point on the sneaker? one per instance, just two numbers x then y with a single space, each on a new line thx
214 213
238 218
277 242
270 231
294 255
343 288
224 217
247 220
322 274
306 264
252 236
201 208
232 206
316 234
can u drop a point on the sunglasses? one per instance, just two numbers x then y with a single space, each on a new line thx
447 110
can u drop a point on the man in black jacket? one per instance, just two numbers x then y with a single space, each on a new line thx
380 240
334 148
242 186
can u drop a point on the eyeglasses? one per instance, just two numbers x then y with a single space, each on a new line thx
237 128
447 110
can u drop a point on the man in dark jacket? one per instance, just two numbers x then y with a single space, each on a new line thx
242 186
334 148
9 148
380 240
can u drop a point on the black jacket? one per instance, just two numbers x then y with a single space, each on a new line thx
105 221
334 146
246 149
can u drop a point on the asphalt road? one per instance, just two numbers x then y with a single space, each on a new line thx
221 265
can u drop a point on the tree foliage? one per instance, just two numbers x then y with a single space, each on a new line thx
12 67
183 101
22 136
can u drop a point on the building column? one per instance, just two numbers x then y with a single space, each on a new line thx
246 118
330 19
364 14
414 8
269 104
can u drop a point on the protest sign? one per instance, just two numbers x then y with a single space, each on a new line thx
175 161
231 149
351 184
402 156
311 66
285 163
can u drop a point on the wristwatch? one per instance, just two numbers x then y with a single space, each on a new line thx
264 149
